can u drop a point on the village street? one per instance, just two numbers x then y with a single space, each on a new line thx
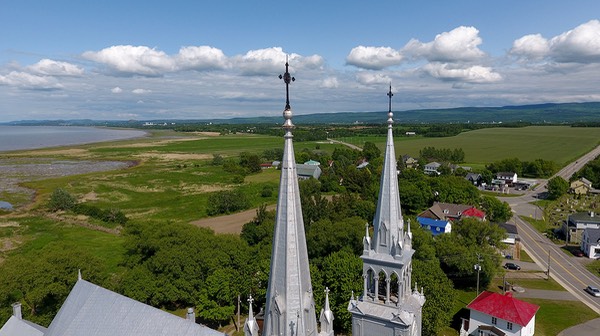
566 269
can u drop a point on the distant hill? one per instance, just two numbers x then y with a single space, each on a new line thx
567 113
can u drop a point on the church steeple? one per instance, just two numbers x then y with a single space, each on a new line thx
387 305
290 308
250 327
388 224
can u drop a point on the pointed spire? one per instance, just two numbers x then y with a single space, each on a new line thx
388 221
289 292
251 326
327 317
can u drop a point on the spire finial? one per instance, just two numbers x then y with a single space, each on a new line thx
390 114
287 79
79 274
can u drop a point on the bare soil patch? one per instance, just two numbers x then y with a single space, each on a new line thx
174 156
231 224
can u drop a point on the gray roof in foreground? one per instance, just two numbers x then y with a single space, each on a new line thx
17 327
91 310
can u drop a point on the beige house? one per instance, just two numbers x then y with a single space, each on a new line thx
581 186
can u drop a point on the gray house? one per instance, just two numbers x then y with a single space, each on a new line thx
306 171
576 223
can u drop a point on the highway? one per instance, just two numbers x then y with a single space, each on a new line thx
565 268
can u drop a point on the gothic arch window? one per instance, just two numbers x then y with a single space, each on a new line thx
382 286
394 288
383 235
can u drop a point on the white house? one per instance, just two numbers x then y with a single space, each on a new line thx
590 243
507 177
432 168
493 314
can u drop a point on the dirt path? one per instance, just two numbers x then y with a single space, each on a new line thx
229 223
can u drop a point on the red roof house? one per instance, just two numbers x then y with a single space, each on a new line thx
497 314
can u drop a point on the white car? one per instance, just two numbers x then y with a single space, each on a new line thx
593 291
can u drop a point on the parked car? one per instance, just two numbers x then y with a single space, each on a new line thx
512 266
593 291
578 253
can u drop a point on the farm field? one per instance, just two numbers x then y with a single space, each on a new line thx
561 144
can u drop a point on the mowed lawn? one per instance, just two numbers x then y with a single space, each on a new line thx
561 144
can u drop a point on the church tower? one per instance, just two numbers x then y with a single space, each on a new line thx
388 306
290 307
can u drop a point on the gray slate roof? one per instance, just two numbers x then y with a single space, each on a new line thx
91 310
18 327
593 235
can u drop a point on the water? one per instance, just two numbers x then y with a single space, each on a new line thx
33 137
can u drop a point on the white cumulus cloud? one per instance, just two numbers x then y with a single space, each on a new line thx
270 60
116 89
472 74
458 45
135 60
532 46
50 67
373 58
370 78
26 80
581 44
201 58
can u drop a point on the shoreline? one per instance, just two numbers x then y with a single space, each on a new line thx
30 147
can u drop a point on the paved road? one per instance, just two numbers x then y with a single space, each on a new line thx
564 268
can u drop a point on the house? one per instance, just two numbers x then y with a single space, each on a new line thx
306 171
508 177
92 310
409 133
266 165
581 186
449 211
438 218
409 161
432 168
493 314
512 235
436 226
474 178
576 223
590 243
312 163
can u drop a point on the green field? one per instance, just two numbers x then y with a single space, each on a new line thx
561 144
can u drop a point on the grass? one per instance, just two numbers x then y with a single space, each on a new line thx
561 144
36 232
525 257
555 316
594 267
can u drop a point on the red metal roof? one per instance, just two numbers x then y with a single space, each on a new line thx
473 212
504 307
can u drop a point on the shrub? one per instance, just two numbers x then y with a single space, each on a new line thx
61 200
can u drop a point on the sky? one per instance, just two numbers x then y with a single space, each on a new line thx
145 60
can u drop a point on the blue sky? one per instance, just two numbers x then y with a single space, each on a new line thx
220 59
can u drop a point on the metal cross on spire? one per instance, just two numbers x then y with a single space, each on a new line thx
390 114
287 78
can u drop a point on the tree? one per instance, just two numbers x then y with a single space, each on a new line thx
42 281
226 201
341 272
557 186
250 162
496 210
325 237
371 151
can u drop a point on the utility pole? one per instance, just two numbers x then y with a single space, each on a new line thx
478 269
